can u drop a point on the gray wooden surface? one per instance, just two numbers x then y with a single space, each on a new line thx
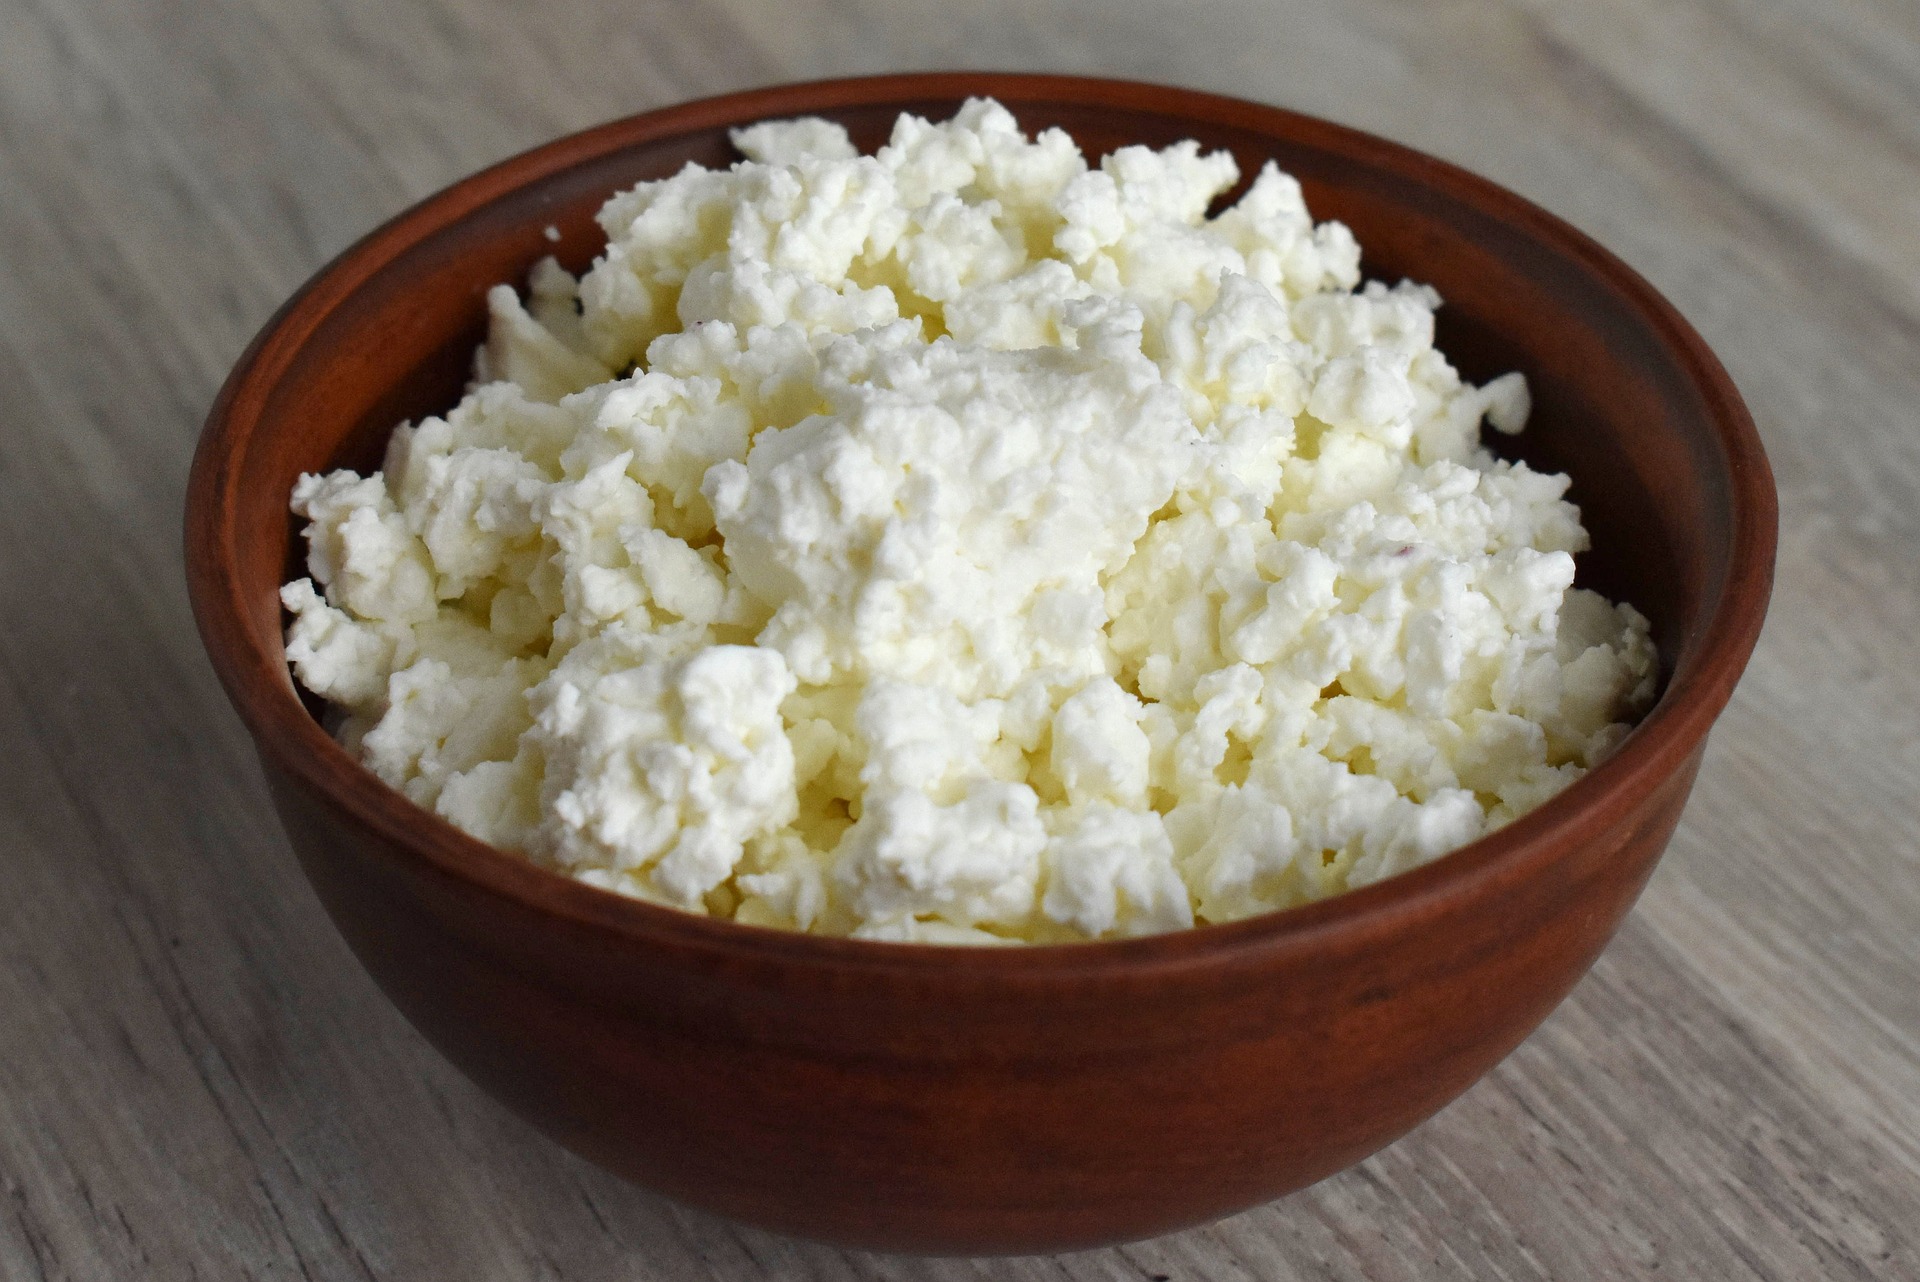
196 1081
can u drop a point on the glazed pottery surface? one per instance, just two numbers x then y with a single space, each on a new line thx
941 1099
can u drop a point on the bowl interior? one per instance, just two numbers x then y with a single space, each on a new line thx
1621 402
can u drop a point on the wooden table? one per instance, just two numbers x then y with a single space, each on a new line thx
196 1080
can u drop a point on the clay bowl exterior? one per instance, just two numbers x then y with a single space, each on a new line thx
953 1100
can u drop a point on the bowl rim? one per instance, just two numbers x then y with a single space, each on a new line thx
261 689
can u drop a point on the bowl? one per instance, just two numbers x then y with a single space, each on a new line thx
922 1098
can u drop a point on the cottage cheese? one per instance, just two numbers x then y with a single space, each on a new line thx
963 544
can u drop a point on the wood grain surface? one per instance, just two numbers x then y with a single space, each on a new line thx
196 1080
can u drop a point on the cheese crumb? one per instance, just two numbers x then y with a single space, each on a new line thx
964 544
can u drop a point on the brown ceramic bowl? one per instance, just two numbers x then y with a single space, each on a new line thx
939 1099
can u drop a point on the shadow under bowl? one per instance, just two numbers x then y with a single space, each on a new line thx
952 1100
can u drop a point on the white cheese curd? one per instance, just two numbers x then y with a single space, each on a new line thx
963 544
